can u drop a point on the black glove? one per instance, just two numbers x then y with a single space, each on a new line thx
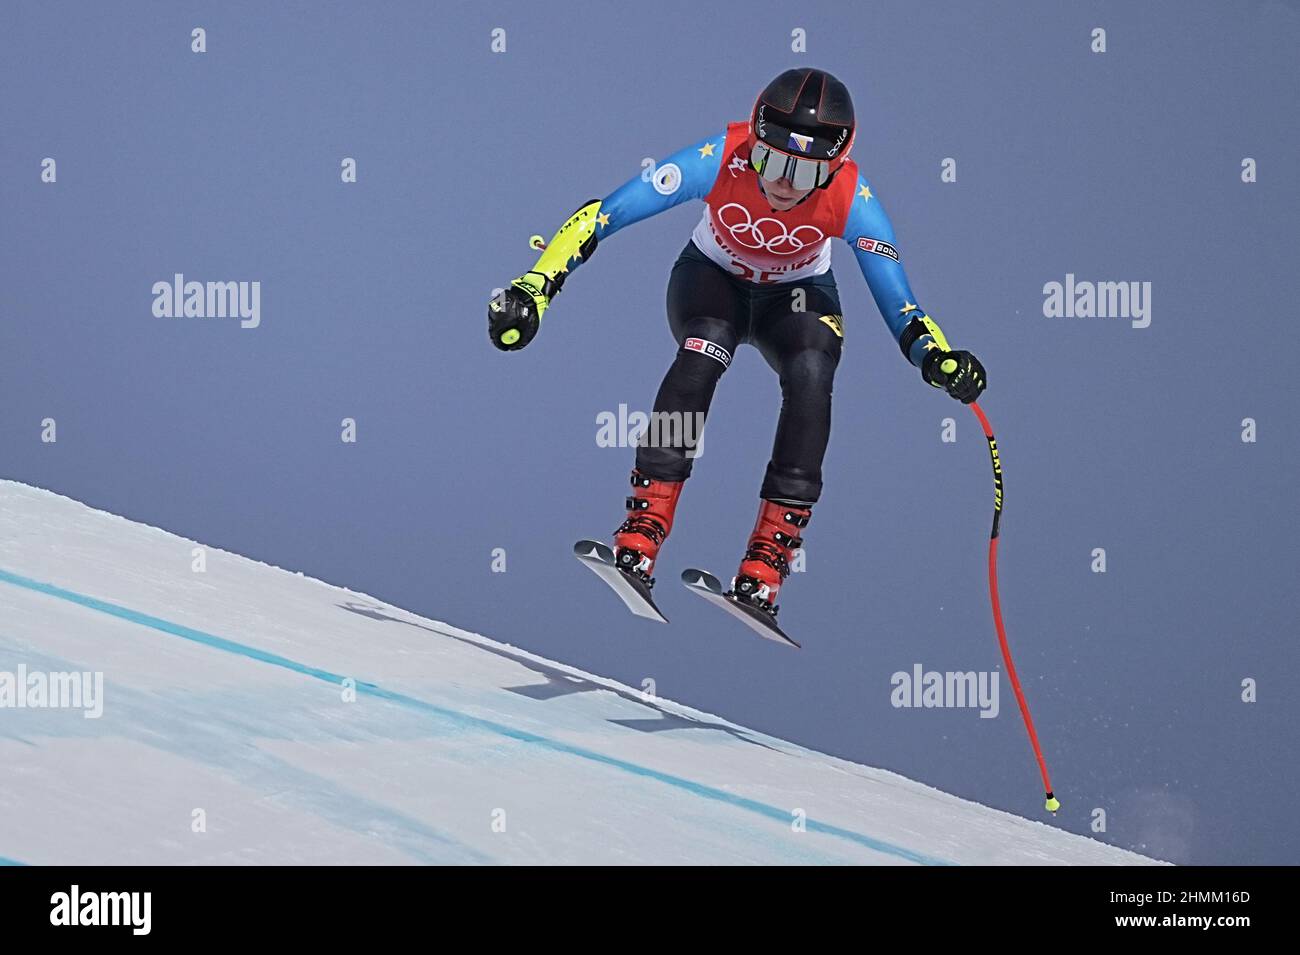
515 315
957 372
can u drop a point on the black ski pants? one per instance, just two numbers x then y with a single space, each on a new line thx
796 326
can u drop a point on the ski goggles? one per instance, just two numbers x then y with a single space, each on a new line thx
772 165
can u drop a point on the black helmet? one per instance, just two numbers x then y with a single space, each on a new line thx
801 128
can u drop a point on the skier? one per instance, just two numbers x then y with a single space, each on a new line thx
757 270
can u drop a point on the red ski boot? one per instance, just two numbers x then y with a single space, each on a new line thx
649 519
771 548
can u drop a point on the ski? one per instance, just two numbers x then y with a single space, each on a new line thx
760 621
632 590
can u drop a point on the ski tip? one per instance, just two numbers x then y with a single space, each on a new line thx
701 580
590 549
708 587
635 594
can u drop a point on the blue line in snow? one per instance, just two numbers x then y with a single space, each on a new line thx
463 719
4 860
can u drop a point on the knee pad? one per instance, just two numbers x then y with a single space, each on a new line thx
810 371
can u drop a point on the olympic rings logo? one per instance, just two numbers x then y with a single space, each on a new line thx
768 233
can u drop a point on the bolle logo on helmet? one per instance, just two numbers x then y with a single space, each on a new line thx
878 247
835 147
768 233
706 347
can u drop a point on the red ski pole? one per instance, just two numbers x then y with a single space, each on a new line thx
1053 803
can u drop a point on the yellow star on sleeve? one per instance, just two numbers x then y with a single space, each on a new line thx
706 150
865 192
603 219
907 307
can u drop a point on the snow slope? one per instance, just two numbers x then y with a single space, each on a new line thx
224 704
